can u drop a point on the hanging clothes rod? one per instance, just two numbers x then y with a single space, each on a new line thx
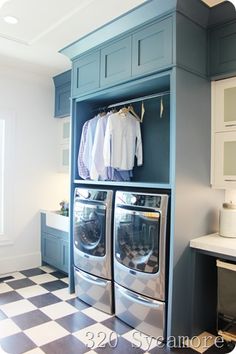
138 99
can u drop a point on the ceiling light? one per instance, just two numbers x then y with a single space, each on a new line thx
11 20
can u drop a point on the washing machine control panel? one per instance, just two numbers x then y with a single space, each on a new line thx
91 194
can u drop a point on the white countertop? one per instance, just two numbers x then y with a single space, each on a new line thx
215 244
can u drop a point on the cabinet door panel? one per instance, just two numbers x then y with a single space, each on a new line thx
51 253
152 47
116 62
85 74
223 105
225 160
64 256
62 101
223 50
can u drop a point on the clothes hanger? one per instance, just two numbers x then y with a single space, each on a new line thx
142 111
161 107
131 110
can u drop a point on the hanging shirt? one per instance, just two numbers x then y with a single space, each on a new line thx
98 170
82 169
122 142
88 146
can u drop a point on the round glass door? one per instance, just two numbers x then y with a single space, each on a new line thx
89 228
137 239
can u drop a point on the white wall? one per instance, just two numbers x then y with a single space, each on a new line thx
31 179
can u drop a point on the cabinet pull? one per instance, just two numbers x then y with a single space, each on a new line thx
230 180
230 125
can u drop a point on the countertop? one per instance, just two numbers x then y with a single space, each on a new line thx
215 244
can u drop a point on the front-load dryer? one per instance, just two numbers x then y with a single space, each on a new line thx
140 230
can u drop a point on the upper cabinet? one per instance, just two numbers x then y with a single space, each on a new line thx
224 98
116 62
152 47
145 50
85 73
224 134
62 84
222 59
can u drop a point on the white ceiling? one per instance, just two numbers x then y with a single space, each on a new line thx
46 26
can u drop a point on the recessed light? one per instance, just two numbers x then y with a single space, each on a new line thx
11 20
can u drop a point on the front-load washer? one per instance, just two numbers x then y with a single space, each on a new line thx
92 247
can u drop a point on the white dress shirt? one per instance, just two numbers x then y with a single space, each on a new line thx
122 142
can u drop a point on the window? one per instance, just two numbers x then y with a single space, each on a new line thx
2 160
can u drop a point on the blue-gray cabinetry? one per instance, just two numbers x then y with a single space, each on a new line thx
168 61
54 246
62 84
152 47
116 62
147 50
223 50
85 73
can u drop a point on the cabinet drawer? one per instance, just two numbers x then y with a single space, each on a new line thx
116 62
225 160
62 101
152 47
85 74
223 50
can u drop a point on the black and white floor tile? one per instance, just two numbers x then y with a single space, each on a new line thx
38 315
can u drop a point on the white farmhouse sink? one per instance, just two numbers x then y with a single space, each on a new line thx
57 221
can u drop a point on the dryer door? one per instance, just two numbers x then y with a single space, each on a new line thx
137 239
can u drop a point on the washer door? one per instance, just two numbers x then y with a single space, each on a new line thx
89 227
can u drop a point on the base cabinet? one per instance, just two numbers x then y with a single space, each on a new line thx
54 246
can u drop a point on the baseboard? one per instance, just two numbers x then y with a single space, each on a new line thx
22 262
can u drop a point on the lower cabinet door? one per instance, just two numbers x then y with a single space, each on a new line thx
64 256
51 250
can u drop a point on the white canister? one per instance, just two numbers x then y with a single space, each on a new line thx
228 220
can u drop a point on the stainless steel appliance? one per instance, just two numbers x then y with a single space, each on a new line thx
92 247
140 224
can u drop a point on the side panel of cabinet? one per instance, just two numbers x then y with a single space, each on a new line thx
152 47
223 50
116 62
62 100
85 74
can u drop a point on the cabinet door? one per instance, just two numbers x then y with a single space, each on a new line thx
116 62
62 100
85 74
64 256
224 104
225 160
223 50
51 251
152 47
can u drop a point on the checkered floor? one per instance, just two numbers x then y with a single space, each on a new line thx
38 315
